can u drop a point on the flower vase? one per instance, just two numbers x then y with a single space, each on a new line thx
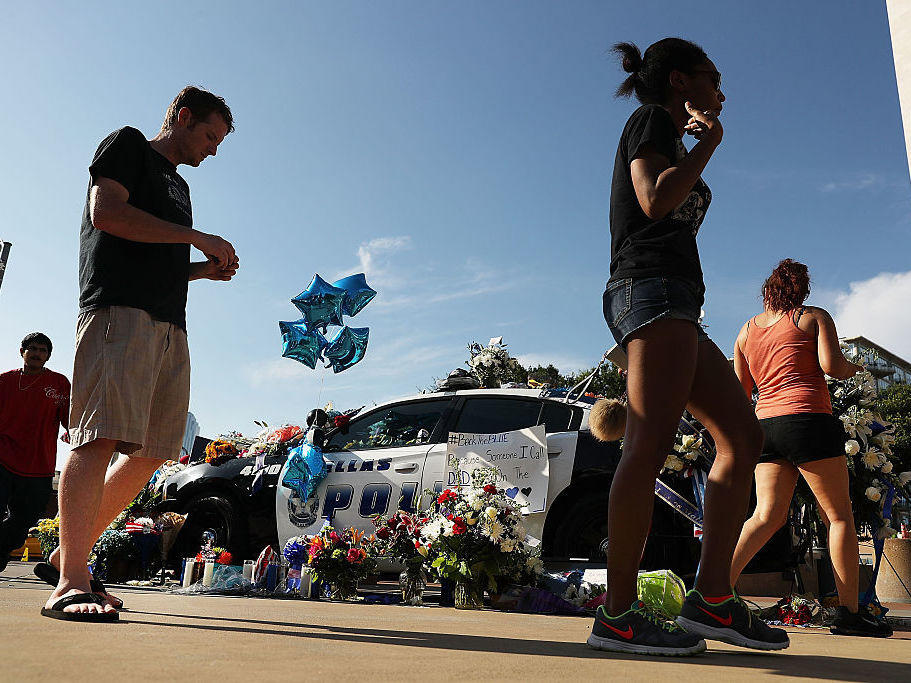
467 595
413 583
343 590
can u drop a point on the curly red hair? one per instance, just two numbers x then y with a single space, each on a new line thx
787 287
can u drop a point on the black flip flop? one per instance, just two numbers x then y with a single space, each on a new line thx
51 576
56 612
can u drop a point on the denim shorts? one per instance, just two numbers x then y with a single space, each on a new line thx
632 303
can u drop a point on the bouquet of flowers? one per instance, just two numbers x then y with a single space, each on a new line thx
868 443
48 534
342 558
271 440
687 449
399 538
220 449
493 365
475 538
219 554
111 552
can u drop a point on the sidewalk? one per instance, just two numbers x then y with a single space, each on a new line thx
167 637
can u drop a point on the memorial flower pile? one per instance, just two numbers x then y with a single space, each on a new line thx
475 535
270 440
874 469
492 364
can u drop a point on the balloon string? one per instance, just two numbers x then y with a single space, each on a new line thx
319 398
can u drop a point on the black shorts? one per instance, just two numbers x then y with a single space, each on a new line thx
802 437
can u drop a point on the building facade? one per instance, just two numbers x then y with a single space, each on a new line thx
885 366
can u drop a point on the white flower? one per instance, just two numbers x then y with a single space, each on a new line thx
904 478
887 467
691 442
508 545
851 447
871 460
672 462
494 530
491 513
448 524
432 529
873 493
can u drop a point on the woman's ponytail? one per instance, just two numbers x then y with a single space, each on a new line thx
787 287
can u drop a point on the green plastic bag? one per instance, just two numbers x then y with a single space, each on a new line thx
662 590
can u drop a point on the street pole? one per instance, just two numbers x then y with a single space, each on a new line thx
4 257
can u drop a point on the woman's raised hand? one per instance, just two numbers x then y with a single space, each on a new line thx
703 125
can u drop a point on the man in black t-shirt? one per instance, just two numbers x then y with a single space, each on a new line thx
131 376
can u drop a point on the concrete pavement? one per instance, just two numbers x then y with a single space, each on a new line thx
173 637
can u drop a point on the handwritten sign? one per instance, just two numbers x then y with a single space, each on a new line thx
519 456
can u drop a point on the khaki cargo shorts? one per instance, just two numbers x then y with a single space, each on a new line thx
131 383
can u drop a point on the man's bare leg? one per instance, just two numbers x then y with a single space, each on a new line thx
81 485
123 481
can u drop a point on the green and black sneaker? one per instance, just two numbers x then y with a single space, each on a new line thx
730 621
643 632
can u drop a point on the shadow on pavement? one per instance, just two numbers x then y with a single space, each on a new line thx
783 663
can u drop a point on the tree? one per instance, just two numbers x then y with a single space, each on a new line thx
894 404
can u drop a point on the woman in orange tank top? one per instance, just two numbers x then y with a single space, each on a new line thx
785 353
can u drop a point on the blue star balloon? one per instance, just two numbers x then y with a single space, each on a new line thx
347 348
306 469
301 343
358 293
320 304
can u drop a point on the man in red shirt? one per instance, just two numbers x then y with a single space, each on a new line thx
34 403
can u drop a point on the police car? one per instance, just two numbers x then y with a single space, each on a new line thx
389 454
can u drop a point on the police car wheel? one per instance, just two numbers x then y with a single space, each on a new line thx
209 515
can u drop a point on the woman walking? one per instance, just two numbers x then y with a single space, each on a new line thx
784 352
652 306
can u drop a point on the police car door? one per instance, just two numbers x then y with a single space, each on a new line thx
373 467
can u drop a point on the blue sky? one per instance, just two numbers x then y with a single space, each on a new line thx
460 154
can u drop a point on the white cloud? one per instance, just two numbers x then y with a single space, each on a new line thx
374 259
862 181
879 310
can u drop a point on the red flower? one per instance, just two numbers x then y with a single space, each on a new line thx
341 421
447 495
224 558
334 537
490 488
459 526
356 555
383 532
